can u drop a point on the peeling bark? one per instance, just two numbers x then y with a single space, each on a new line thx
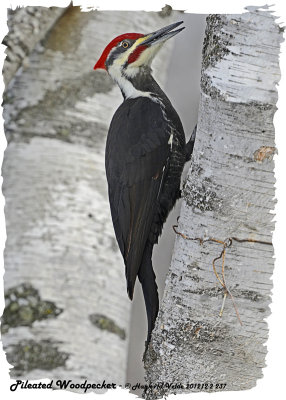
229 193
64 276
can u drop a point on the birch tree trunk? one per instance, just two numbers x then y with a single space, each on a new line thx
27 26
229 193
67 311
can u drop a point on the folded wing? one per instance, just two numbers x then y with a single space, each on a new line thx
137 153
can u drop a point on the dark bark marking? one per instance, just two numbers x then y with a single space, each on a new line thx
24 306
215 47
202 196
30 354
107 324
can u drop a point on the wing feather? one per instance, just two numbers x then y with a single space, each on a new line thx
137 151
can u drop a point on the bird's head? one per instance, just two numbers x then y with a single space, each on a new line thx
128 53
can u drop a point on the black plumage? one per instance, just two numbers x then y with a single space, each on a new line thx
145 156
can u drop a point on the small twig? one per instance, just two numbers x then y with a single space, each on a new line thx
222 306
214 268
235 307
226 243
251 241
222 282
226 288
186 237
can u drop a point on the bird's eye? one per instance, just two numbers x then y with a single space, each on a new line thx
125 45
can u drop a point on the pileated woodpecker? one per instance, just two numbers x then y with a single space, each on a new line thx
145 156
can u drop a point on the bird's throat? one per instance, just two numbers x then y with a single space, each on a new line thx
139 84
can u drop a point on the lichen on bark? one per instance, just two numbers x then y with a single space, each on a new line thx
28 355
107 324
23 306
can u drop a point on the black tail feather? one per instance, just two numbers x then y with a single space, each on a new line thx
147 279
190 145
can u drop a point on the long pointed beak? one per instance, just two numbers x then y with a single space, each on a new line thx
162 34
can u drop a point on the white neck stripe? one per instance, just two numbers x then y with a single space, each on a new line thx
125 85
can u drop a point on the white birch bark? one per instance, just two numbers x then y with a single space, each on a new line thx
229 192
67 311
27 26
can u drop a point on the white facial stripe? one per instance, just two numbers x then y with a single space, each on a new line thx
122 60
125 85
146 56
